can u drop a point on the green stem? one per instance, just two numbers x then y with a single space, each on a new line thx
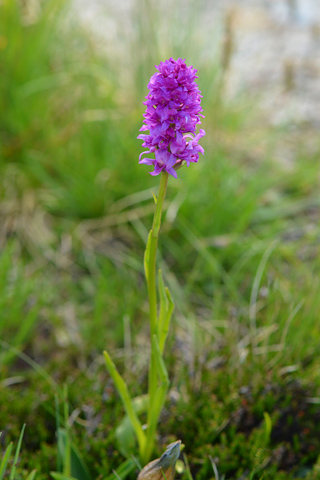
152 294
159 398
152 290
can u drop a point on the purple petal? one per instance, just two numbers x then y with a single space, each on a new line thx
172 114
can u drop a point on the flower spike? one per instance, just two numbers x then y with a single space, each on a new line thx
172 114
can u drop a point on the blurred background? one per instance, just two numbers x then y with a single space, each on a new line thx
240 242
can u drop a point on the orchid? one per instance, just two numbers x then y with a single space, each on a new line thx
172 115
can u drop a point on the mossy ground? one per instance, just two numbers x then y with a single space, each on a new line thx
217 418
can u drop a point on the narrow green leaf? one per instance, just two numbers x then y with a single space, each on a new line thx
146 259
164 381
124 432
77 465
32 475
13 471
252 474
166 321
161 368
154 198
57 417
188 471
126 400
65 442
126 438
159 397
163 303
4 461
268 427
122 471
62 476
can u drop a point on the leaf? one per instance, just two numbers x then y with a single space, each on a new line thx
161 368
154 198
166 321
126 400
62 476
4 461
187 467
124 431
13 471
122 471
163 303
78 468
268 427
31 475
126 438
165 312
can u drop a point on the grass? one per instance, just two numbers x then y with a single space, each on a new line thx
239 251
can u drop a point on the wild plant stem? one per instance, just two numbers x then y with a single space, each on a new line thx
151 280
153 314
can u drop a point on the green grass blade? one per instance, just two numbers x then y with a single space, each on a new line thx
122 471
32 475
13 471
256 284
267 427
57 418
76 464
195 239
187 470
65 435
62 476
4 460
